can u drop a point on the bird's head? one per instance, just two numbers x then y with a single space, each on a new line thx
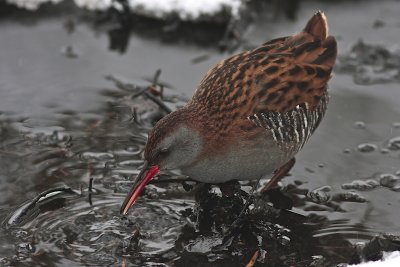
173 143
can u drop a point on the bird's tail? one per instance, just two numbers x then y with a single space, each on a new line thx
318 48
317 26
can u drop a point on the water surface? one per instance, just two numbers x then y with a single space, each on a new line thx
62 123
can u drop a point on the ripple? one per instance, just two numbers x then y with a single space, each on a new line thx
349 197
346 151
361 185
89 232
366 148
394 143
319 195
390 181
385 151
396 124
342 227
359 125
130 163
100 156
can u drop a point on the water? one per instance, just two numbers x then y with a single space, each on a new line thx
62 123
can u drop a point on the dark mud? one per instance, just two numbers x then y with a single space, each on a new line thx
62 125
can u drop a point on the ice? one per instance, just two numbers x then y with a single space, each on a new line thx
31 4
184 9
389 259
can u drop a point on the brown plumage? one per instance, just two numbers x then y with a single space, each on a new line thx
252 112
276 76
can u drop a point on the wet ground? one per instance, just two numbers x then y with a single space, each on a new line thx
62 123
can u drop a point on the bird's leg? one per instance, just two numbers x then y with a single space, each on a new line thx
279 174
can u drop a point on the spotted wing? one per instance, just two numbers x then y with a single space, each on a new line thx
276 78
292 128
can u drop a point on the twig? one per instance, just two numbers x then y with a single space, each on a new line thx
90 198
156 77
141 92
161 91
89 169
91 184
128 87
120 84
253 259
158 101
200 58
135 116
231 29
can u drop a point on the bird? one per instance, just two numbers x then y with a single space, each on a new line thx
249 116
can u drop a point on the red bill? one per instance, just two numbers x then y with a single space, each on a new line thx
143 178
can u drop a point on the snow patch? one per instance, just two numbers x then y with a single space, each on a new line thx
184 9
31 4
94 4
389 259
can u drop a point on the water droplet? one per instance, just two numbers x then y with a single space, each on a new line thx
309 170
346 151
384 151
394 143
349 197
389 180
361 185
24 248
321 165
284 240
372 182
397 173
365 148
319 195
359 125
396 187
21 234
326 188
396 125
69 51
298 182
